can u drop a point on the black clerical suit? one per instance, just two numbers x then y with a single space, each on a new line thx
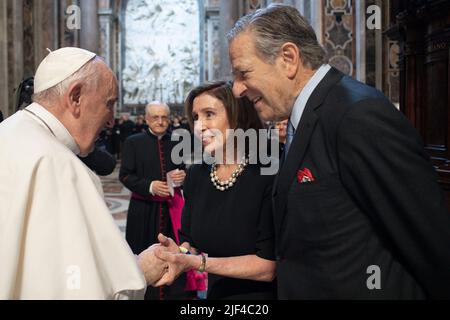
145 159
372 200
100 161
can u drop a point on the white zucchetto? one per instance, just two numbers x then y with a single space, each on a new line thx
60 65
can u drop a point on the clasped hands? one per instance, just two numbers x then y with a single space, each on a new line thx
161 189
163 263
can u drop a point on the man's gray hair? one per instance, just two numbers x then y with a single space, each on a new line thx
88 74
274 26
156 103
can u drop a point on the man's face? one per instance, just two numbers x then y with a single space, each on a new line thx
282 127
158 119
99 102
265 84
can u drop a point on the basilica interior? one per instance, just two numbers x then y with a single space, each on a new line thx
159 49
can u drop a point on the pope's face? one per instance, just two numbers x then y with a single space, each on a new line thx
261 82
98 102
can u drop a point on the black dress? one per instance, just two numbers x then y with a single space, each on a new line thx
230 223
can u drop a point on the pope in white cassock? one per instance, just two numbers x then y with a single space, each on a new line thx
57 237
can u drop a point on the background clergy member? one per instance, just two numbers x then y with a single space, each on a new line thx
146 160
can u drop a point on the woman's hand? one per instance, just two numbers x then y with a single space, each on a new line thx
177 264
168 243
189 248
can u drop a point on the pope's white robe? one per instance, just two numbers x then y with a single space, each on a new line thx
57 237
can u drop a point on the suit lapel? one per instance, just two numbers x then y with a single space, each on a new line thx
299 145
294 158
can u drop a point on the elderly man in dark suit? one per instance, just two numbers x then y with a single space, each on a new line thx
358 210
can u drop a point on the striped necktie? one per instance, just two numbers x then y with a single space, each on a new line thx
289 136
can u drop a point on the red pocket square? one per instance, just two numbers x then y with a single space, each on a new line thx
305 175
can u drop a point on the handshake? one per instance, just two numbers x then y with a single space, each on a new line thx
162 263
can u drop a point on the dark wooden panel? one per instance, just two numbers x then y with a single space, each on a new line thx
422 28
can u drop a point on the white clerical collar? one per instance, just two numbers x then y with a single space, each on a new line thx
50 122
159 137
303 97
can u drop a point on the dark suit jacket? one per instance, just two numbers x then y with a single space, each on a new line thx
100 161
375 201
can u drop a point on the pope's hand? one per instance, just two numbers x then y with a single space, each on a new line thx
152 267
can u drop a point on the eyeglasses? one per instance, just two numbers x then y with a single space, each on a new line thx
156 118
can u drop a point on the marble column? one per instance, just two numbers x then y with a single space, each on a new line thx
212 47
106 25
11 53
28 36
67 37
317 12
89 33
15 46
229 14
45 29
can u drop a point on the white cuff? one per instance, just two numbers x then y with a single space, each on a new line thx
151 189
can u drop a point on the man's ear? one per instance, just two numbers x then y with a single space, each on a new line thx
74 98
290 55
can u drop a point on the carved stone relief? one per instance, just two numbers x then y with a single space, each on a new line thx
162 50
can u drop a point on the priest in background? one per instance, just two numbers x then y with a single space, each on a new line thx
57 237
146 161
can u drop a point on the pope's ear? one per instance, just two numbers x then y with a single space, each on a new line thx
74 98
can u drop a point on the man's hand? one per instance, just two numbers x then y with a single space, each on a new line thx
152 267
178 177
160 188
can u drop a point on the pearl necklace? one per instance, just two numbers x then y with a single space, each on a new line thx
225 185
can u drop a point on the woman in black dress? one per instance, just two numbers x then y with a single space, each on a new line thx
227 223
